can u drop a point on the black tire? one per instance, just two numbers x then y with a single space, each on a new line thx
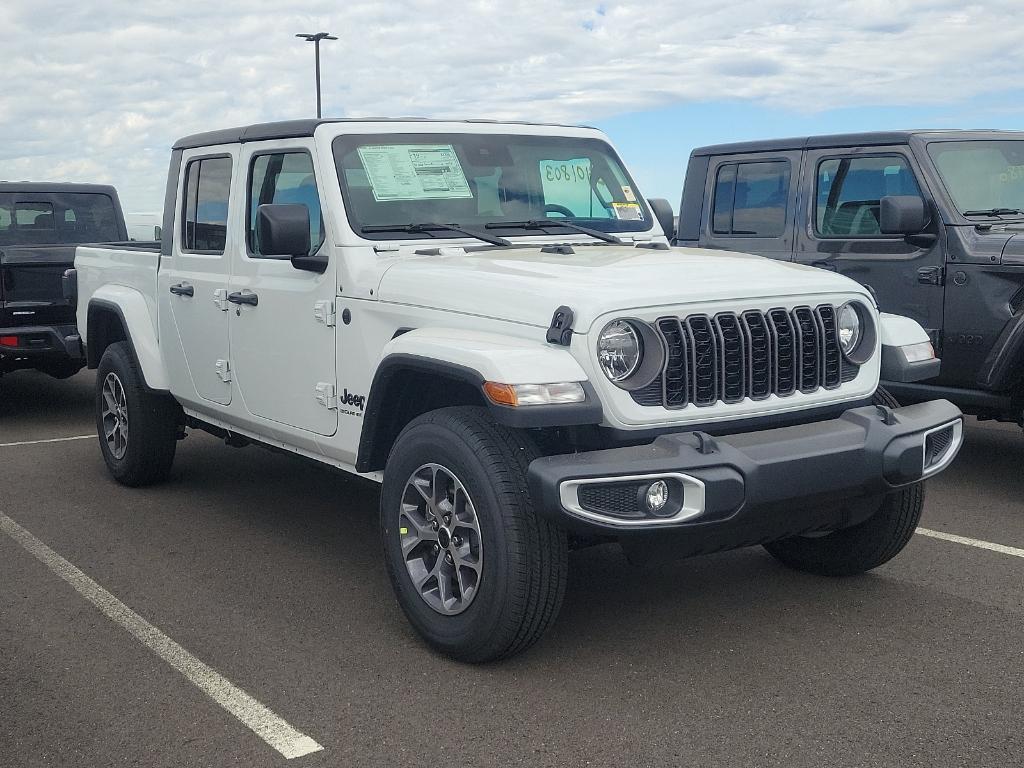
864 546
525 557
153 422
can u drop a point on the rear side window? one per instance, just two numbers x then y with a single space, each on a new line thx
850 190
57 218
751 199
205 220
284 178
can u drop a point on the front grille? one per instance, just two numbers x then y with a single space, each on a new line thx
731 357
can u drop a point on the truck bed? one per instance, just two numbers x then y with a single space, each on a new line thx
107 270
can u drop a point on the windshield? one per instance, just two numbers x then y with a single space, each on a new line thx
982 176
57 218
482 182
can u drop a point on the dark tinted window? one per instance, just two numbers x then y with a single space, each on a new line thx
58 218
205 224
850 190
284 178
750 199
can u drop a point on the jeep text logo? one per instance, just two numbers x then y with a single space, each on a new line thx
347 398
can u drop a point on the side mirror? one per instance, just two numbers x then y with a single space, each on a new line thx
663 213
282 231
902 215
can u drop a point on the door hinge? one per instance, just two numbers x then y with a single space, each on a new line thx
931 275
323 311
326 396
223 368
220 298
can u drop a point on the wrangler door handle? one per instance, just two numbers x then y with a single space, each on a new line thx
244 297
183 289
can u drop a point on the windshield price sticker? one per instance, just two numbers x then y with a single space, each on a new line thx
628 211
414 172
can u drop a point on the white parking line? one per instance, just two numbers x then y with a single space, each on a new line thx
261 720
1001 548
51 440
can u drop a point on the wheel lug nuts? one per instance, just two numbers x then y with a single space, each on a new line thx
447 519
437 548
457 541
435 525
448 557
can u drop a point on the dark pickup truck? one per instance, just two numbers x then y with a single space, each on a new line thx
40 226
930 221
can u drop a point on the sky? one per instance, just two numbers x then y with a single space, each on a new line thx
98 91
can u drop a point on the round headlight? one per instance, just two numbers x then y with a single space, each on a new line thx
619 350
849 326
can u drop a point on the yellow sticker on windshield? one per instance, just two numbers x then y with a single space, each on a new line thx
628 211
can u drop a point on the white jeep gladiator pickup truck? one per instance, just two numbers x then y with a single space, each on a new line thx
487 319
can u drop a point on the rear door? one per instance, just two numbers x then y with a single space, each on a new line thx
283 345
750 203
840 229
193 282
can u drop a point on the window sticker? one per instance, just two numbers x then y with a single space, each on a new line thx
566 183
628 211
414 172
627 192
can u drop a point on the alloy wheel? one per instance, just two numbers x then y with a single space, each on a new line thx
115 416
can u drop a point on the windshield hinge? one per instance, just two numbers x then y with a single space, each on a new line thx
326 396
323 312
560 330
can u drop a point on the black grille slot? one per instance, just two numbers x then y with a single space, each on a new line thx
753 354
704 379
785 351
759 355
675 377
832 358
730 356
936 445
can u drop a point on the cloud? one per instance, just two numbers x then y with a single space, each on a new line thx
99 91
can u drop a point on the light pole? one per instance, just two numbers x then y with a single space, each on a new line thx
315 40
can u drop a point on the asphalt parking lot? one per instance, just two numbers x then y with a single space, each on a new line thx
268 569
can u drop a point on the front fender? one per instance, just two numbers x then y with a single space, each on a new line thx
494 357
139 323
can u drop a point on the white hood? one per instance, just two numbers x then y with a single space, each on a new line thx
525 285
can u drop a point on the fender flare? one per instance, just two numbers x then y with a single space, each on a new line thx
132 309
1004 364
472 358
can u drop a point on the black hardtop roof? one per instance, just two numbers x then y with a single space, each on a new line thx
870 138
54 187
294 129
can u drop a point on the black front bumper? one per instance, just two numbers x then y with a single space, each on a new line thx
757 486
40 344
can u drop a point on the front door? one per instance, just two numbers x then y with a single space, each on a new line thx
841 229
194 279
283 345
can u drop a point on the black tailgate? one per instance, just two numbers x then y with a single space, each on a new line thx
31 292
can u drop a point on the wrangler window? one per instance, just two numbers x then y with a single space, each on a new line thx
850 190
57 218
751 199
205 223
284 178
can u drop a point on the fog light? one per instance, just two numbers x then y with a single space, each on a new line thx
657 496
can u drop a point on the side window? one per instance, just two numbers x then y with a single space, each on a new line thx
284 178
751 199
850 189
205 220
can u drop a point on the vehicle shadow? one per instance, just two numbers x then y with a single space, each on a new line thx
34 405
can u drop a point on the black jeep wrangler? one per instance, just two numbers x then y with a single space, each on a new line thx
40 226
930 221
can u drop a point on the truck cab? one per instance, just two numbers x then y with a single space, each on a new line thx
40 226
928 220
488 320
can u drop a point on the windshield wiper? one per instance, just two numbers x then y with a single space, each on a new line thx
995 212
429 228
546 223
